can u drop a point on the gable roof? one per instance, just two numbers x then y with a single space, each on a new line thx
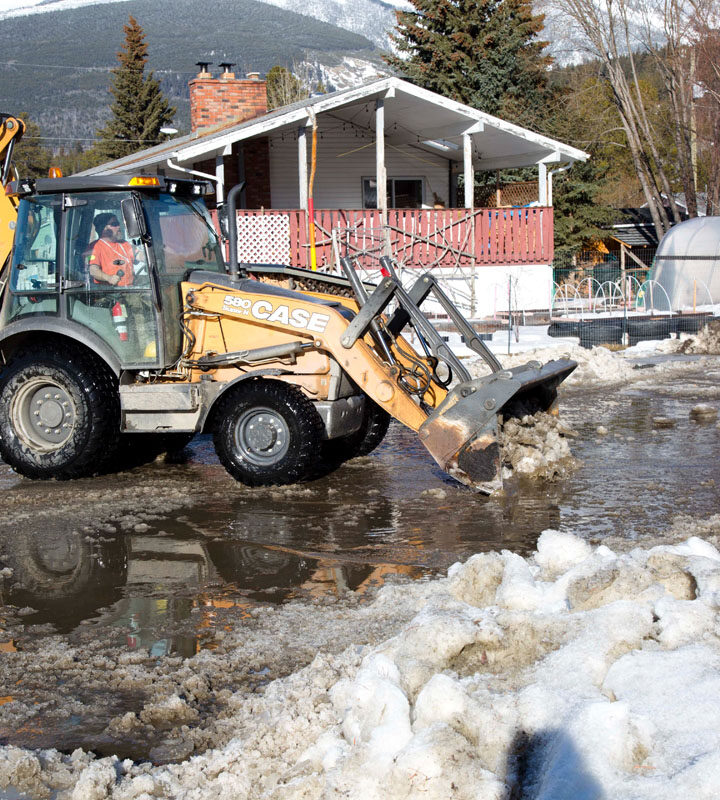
412 114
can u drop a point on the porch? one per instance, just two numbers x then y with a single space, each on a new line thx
416 238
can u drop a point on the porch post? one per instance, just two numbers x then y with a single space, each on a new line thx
220 175
302 168
550 187
468 172
469 176
241 173
380 172
542 184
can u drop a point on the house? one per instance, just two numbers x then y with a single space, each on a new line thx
394 173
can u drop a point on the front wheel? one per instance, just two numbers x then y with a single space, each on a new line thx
59 413
267 433
375 424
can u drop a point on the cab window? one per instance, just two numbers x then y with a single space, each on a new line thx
183 235
34 279
183 239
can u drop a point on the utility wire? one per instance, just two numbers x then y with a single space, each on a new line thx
91 69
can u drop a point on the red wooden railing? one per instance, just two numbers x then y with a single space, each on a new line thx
418 238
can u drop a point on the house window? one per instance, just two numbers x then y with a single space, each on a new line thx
401 193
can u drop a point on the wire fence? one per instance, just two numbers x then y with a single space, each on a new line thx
603 300
597 298
603 267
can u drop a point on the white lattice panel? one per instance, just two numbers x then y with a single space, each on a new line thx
264 239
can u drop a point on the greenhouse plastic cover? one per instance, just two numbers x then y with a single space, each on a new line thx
687 263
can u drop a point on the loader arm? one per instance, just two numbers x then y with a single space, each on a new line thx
11 131
459 429
461 433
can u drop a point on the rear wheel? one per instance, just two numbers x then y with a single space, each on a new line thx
267 433
59 413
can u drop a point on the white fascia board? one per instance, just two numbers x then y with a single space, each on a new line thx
526 159
477 121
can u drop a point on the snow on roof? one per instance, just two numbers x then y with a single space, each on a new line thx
411 114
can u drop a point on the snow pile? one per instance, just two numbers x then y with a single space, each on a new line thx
705 342
578 672
596 366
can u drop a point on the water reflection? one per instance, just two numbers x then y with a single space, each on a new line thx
164 584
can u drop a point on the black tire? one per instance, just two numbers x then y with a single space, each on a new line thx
599 333
375 424
59 413
267 433
688 324
643 329
564 328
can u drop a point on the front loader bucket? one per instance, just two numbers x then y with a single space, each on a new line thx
462 433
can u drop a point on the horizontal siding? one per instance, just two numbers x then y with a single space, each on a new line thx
343 160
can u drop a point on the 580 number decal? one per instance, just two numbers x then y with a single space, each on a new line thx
264 310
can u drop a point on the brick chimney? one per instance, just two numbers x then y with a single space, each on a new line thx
214 101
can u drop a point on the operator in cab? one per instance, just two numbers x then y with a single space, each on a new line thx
111 259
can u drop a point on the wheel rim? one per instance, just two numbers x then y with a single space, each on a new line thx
262 436
43 414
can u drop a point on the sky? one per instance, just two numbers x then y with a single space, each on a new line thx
11 5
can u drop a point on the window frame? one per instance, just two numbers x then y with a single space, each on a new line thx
391 190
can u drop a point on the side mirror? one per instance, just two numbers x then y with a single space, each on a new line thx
134 219
222 213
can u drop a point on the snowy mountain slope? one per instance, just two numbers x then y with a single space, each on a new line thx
56 57
370 18
373 19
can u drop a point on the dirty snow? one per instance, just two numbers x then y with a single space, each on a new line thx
577 672
536 446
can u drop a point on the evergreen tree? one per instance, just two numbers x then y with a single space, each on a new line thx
139 109
30 158
579 218
484 53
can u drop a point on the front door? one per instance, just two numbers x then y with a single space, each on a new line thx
107 278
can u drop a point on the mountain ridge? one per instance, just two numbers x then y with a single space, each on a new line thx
56 64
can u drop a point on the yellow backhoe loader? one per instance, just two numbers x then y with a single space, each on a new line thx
164 339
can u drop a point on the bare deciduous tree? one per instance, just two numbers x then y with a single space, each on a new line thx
614 32
707 105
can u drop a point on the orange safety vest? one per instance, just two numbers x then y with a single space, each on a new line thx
113 257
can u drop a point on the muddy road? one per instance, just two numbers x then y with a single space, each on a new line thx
157 562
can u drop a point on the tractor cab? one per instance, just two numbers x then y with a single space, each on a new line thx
103 258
